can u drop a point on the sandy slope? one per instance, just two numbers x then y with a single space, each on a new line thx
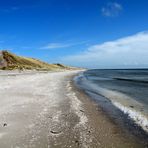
43 110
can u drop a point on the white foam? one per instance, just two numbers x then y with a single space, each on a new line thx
121 101
138 117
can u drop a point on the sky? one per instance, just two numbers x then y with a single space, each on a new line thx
84 33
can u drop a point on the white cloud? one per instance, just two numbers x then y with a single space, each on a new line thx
131 51
61 45
56 45
111 9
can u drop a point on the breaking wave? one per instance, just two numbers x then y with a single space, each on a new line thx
120 100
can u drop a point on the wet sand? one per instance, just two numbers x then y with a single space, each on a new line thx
46 110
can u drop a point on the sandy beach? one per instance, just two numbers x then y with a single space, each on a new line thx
46 110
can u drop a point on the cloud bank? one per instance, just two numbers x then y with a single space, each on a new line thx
111 9
131 51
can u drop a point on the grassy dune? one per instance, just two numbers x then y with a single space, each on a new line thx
10 61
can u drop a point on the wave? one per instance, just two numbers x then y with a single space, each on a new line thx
120 100
136 116
132 80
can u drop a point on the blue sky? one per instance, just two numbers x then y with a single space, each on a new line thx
88 33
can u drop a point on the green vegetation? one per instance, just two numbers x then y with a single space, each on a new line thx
17 62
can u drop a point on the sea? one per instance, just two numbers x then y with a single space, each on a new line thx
123 89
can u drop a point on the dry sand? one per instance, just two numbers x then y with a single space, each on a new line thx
45 110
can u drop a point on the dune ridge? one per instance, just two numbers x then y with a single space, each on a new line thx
10 61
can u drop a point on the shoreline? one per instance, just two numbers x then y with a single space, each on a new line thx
48 110
126 109
123 131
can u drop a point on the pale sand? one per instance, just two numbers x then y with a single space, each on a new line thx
43 110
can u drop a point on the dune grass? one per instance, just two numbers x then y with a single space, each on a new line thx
17 62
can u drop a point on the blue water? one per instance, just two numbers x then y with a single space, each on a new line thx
127 89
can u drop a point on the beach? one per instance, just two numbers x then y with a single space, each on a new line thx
48 110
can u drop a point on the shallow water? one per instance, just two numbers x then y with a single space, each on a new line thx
125 89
